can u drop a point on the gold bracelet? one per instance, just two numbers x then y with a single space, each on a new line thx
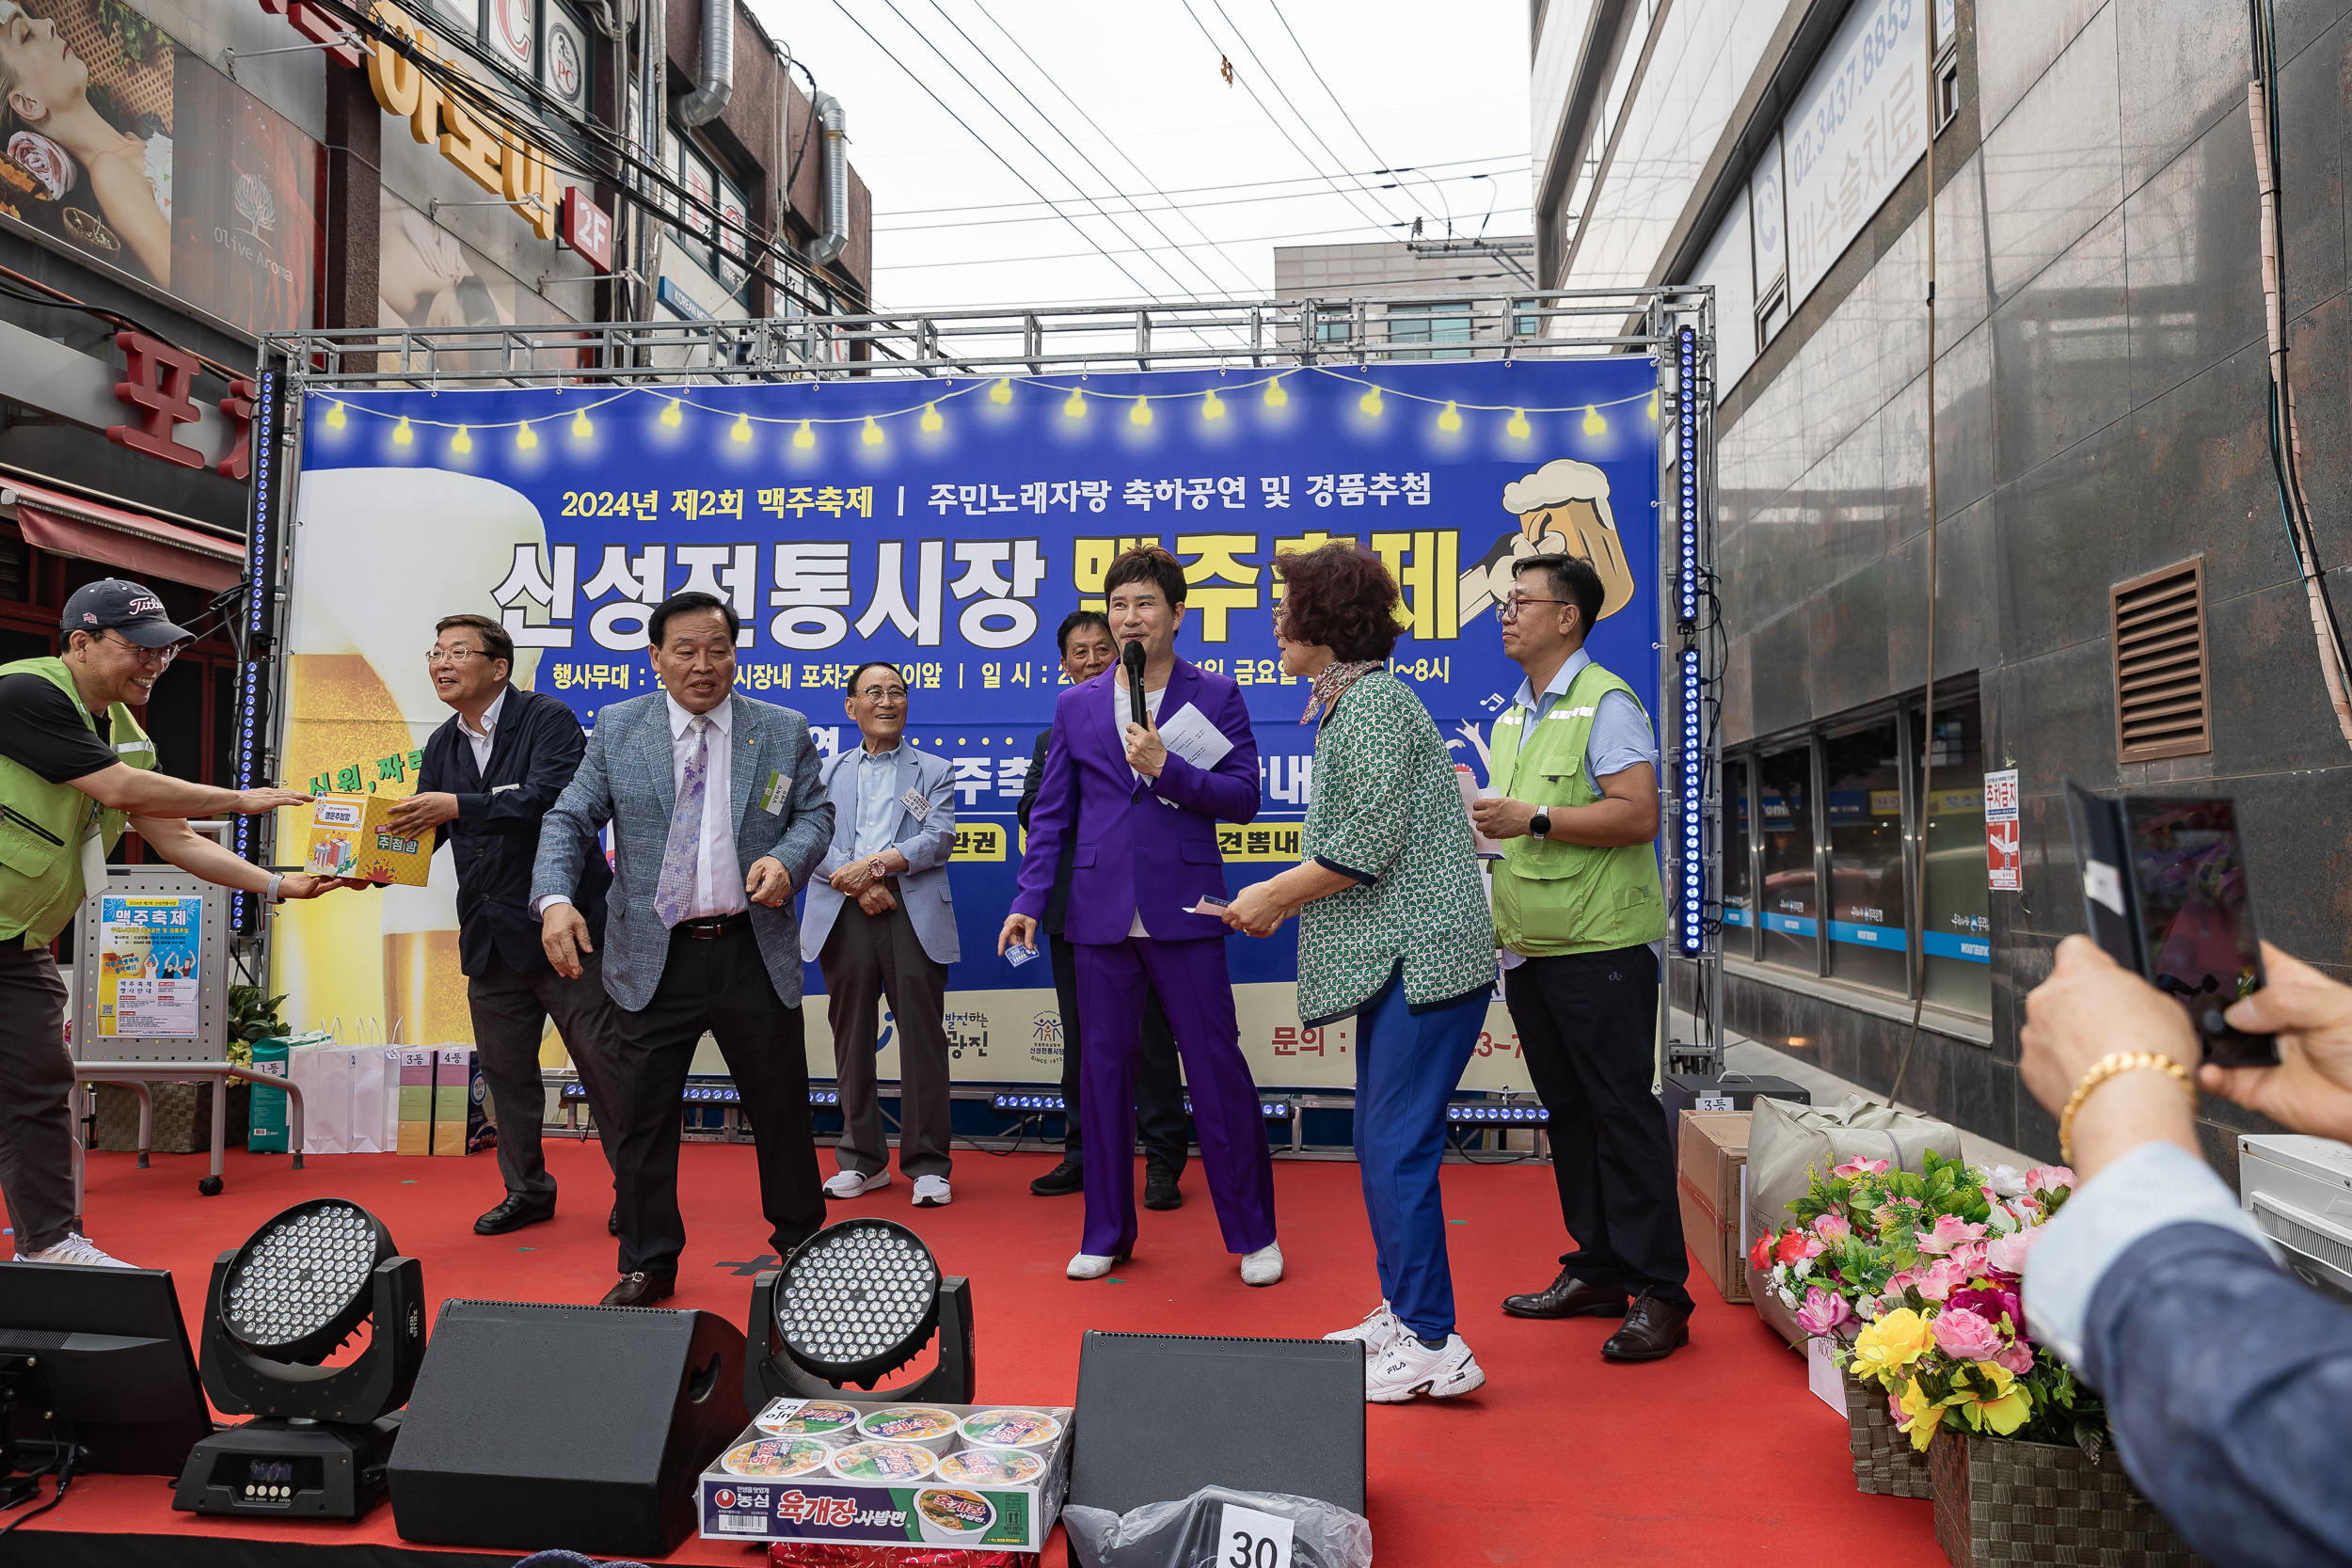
2110 1066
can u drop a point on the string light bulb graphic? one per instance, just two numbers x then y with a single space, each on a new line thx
803 438
873 436
1450 419
1275 395
673 416
580 427
461 441
526 438
1141 412
742 431
1076 407
1002 391
402 434
1594 423
1369 402
1653 407
1519 428
1211 406
335 419
932 423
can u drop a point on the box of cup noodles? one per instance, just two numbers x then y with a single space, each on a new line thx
977 1478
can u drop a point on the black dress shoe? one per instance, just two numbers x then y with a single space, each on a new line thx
1160 1190
640 1289
513 1214
612 1221
1067 1178
1653 1330
1567 1298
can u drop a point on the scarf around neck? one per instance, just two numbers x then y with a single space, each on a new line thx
1336 678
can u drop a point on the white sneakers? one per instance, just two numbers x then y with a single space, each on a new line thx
1407 1368
1377 1331
75 1248
1263 1266
930 1192
1092 1265
848 1183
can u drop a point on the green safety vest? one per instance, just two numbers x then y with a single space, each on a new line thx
1553 897
42 824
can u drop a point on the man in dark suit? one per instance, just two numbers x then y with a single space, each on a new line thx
1086 653
489 776
719 813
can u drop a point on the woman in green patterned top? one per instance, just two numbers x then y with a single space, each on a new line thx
1393 927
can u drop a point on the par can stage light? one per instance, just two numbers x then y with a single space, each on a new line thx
280 1308
852 1304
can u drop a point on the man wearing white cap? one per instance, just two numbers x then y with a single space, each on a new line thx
75 768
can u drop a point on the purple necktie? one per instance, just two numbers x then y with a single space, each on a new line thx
682 856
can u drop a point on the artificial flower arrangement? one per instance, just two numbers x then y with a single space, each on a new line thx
1915 1277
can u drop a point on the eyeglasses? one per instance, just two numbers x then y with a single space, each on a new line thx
883 694
146 656
452 656
1509 608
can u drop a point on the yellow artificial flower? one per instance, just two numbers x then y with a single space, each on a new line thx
2006 1410
1923 1415
1890 1344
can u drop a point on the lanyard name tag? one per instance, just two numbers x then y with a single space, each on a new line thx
771 798
918 804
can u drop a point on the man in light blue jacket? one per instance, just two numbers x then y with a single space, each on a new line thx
881 921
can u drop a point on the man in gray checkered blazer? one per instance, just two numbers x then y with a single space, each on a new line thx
719 813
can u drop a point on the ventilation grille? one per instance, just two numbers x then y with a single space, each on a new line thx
2160 706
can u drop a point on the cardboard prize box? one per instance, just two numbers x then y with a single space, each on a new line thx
1713 1153
851 1472
349 838
460 1122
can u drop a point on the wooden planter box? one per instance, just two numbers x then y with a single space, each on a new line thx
1999 1504
1885 1462
183 1117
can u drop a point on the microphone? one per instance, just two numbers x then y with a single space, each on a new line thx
1132 658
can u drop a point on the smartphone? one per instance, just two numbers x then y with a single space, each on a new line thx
2165 892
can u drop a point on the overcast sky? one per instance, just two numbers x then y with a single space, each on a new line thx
1111 100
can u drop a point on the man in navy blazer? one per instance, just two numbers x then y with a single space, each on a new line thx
717 817
489 775
881 921
1144 819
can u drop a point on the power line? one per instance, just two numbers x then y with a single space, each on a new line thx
1275 82
1514 158
1316 71
1252 239
1206 277
1241 271
1184 207
992 149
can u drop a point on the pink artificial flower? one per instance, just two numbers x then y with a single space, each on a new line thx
1963 1335
1939 1280
1950 1231
1823 1312
1832 1229
2049 1179
1969 1258
1858 1166
1894 1409
2018 1358
1993 1306
2008 1253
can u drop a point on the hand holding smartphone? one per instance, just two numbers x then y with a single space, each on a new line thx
2165 893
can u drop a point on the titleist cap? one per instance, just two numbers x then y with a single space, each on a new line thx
112 604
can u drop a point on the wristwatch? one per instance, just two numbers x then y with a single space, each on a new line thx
1540 824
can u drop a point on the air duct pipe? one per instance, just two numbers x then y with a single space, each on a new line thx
710 98
836 239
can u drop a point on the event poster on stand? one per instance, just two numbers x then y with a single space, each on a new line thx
147 967
948 525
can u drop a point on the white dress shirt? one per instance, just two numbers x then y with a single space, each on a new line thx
718 879
482 740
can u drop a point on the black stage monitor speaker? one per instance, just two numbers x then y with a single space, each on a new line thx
1161 1416
582 1427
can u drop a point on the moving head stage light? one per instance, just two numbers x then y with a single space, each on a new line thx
279 1308
852 1304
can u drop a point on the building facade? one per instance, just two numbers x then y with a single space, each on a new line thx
2118 601
1437 286
294 165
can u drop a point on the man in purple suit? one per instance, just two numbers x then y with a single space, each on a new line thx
1142 802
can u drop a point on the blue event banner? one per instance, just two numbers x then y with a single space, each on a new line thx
949 525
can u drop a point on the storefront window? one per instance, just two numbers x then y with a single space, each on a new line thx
1868 931
1957 938
1739 877
1784 812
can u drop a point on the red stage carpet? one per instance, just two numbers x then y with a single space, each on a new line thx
1716 1455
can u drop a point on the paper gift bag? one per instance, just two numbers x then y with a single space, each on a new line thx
375 1081
322 1074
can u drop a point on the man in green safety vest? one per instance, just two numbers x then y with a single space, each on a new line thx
1581 919
75 768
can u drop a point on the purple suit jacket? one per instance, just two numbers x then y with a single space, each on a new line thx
1166 826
